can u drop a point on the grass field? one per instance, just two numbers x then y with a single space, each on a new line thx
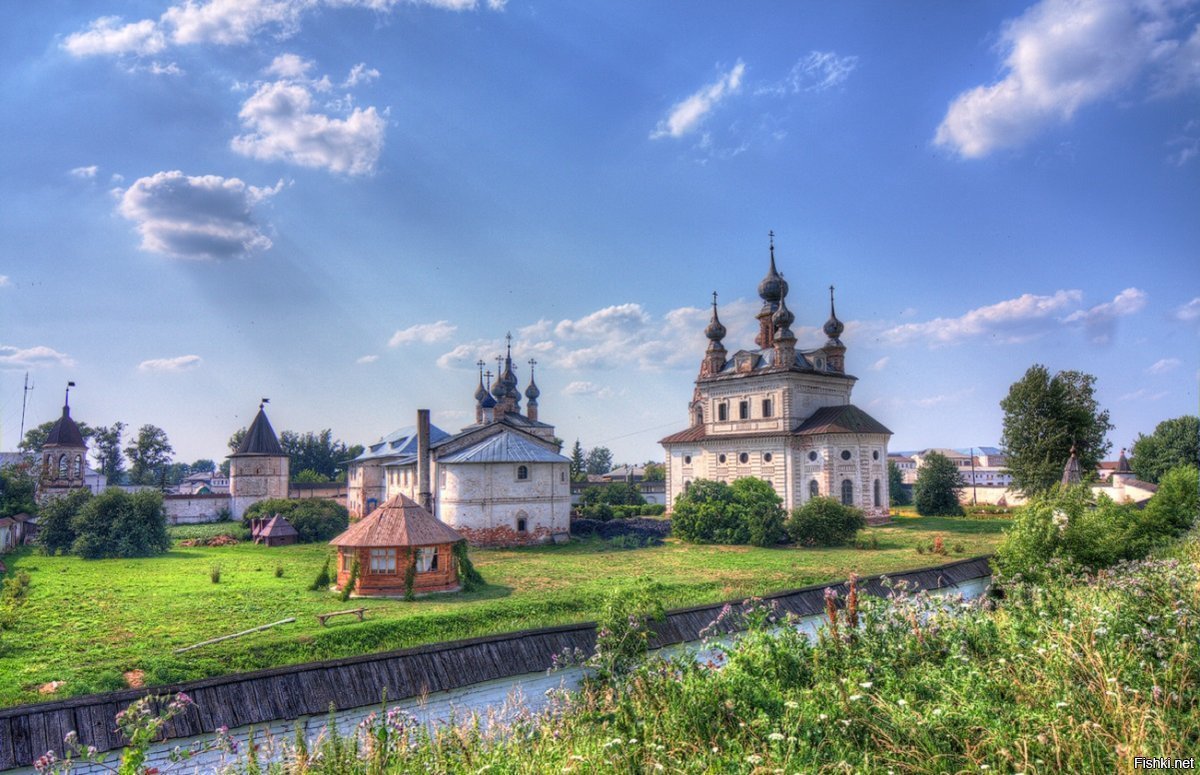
96 625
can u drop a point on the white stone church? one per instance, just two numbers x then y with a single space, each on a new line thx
781 414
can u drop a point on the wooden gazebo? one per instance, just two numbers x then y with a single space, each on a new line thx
389 540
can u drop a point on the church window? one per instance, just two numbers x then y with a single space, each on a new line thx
62 466
687 460
46 466
427 559
875 455
687 484
768 410
522 473
877 494
847 492
766 457
814 489
722 412
743 458
699 416
721 458
812 456
846 454
562 476
743 410
522 525
79 466
383 561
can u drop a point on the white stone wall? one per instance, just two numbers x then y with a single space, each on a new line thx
192 509
254 478
486 496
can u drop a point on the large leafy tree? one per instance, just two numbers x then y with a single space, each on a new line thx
107 449
56 521
35 438
1044 416
317 452
654 472
203 465
149 456
599 461
896 492
1174 443
17 488
937 486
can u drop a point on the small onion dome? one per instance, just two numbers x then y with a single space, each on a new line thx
715 330
488 402
833 326
532 391
499 387
480 392
773 287
783 316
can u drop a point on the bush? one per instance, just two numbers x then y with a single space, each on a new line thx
653 510
614 494
746 512
214 573
322 580
1173 509
56 532
116 523
937 486
598 511
315 519
824 522
761 511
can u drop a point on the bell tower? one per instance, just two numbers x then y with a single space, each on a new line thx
64 456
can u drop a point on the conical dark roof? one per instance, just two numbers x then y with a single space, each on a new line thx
260 439
65 433
1072 474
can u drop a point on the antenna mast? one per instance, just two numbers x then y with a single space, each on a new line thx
24 400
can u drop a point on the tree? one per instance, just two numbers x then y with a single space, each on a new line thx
654 472
309 476
1044 416
315 519
107 450
35 438
174 473
235 439
203 465
937 486
149 455
1174 443
116 523
578 464
56 530
614 494
17 490
896 491
318 452
748 511
760 510
599 461
1176 505
824 522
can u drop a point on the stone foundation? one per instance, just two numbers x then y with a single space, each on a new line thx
506 536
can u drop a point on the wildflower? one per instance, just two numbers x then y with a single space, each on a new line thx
716 749
791 704
855 697
776 736
901 701
1060 704
754 758
823 717
866 685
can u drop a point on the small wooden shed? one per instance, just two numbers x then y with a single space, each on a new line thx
387 541
273 531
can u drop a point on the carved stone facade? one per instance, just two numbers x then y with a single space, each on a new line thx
781 414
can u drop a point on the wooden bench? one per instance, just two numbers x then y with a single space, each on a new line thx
358 611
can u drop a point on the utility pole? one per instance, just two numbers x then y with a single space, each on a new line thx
24 398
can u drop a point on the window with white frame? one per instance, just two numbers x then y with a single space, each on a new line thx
427 559
383 561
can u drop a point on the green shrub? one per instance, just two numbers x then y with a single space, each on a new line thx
214 573
614 494
600 511
653 510
56 532
1174 508
116 523
315 519
746 512
468 576
937 486
351 582
322 580
824 522
760 511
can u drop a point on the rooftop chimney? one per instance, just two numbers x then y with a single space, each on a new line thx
424 461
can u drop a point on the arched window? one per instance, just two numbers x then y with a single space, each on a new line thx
522 473
699 416
63 465
877 494
46 466
79 466
847 492
687 484
814 489
522 522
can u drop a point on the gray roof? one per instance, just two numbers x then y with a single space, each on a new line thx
504 447
260 439
401 442
65 432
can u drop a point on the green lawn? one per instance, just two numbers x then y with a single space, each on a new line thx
88 623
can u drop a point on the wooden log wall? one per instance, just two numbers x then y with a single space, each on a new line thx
285 693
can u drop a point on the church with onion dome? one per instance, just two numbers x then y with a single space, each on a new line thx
500 481
782 413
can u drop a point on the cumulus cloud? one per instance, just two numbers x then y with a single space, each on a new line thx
170 365
880 364
367 359
85 173
585 388
425 333
360 73
196 217
1061 55
32 357
284 127
815 72
1189 312
1101 320
290 66
222 22
687 114
1164 365
1013 320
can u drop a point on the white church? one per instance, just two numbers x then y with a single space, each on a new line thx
499 481
781 414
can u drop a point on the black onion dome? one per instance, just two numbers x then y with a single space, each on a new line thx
532 391
488 402
773 287
783 316
715 330
833 326
480 392
65 432
499 387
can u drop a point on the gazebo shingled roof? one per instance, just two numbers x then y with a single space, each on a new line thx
277 527
399 522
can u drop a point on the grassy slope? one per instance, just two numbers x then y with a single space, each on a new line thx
88 622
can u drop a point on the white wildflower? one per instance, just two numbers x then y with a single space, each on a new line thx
776 736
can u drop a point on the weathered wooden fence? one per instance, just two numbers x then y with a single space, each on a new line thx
265 697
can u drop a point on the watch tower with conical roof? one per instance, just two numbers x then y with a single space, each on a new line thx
259 469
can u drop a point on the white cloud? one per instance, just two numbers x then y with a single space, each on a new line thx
85 173
1142 394
1189 312
360 73
425 333
4 281
222 22
290 66
881 363
687 114
32 357
283 127
1101 319
585 388
107 35
196 217
1061 55
818 71
1013 320
1164 365
170 365
367 359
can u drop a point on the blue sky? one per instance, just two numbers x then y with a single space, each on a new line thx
343 204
